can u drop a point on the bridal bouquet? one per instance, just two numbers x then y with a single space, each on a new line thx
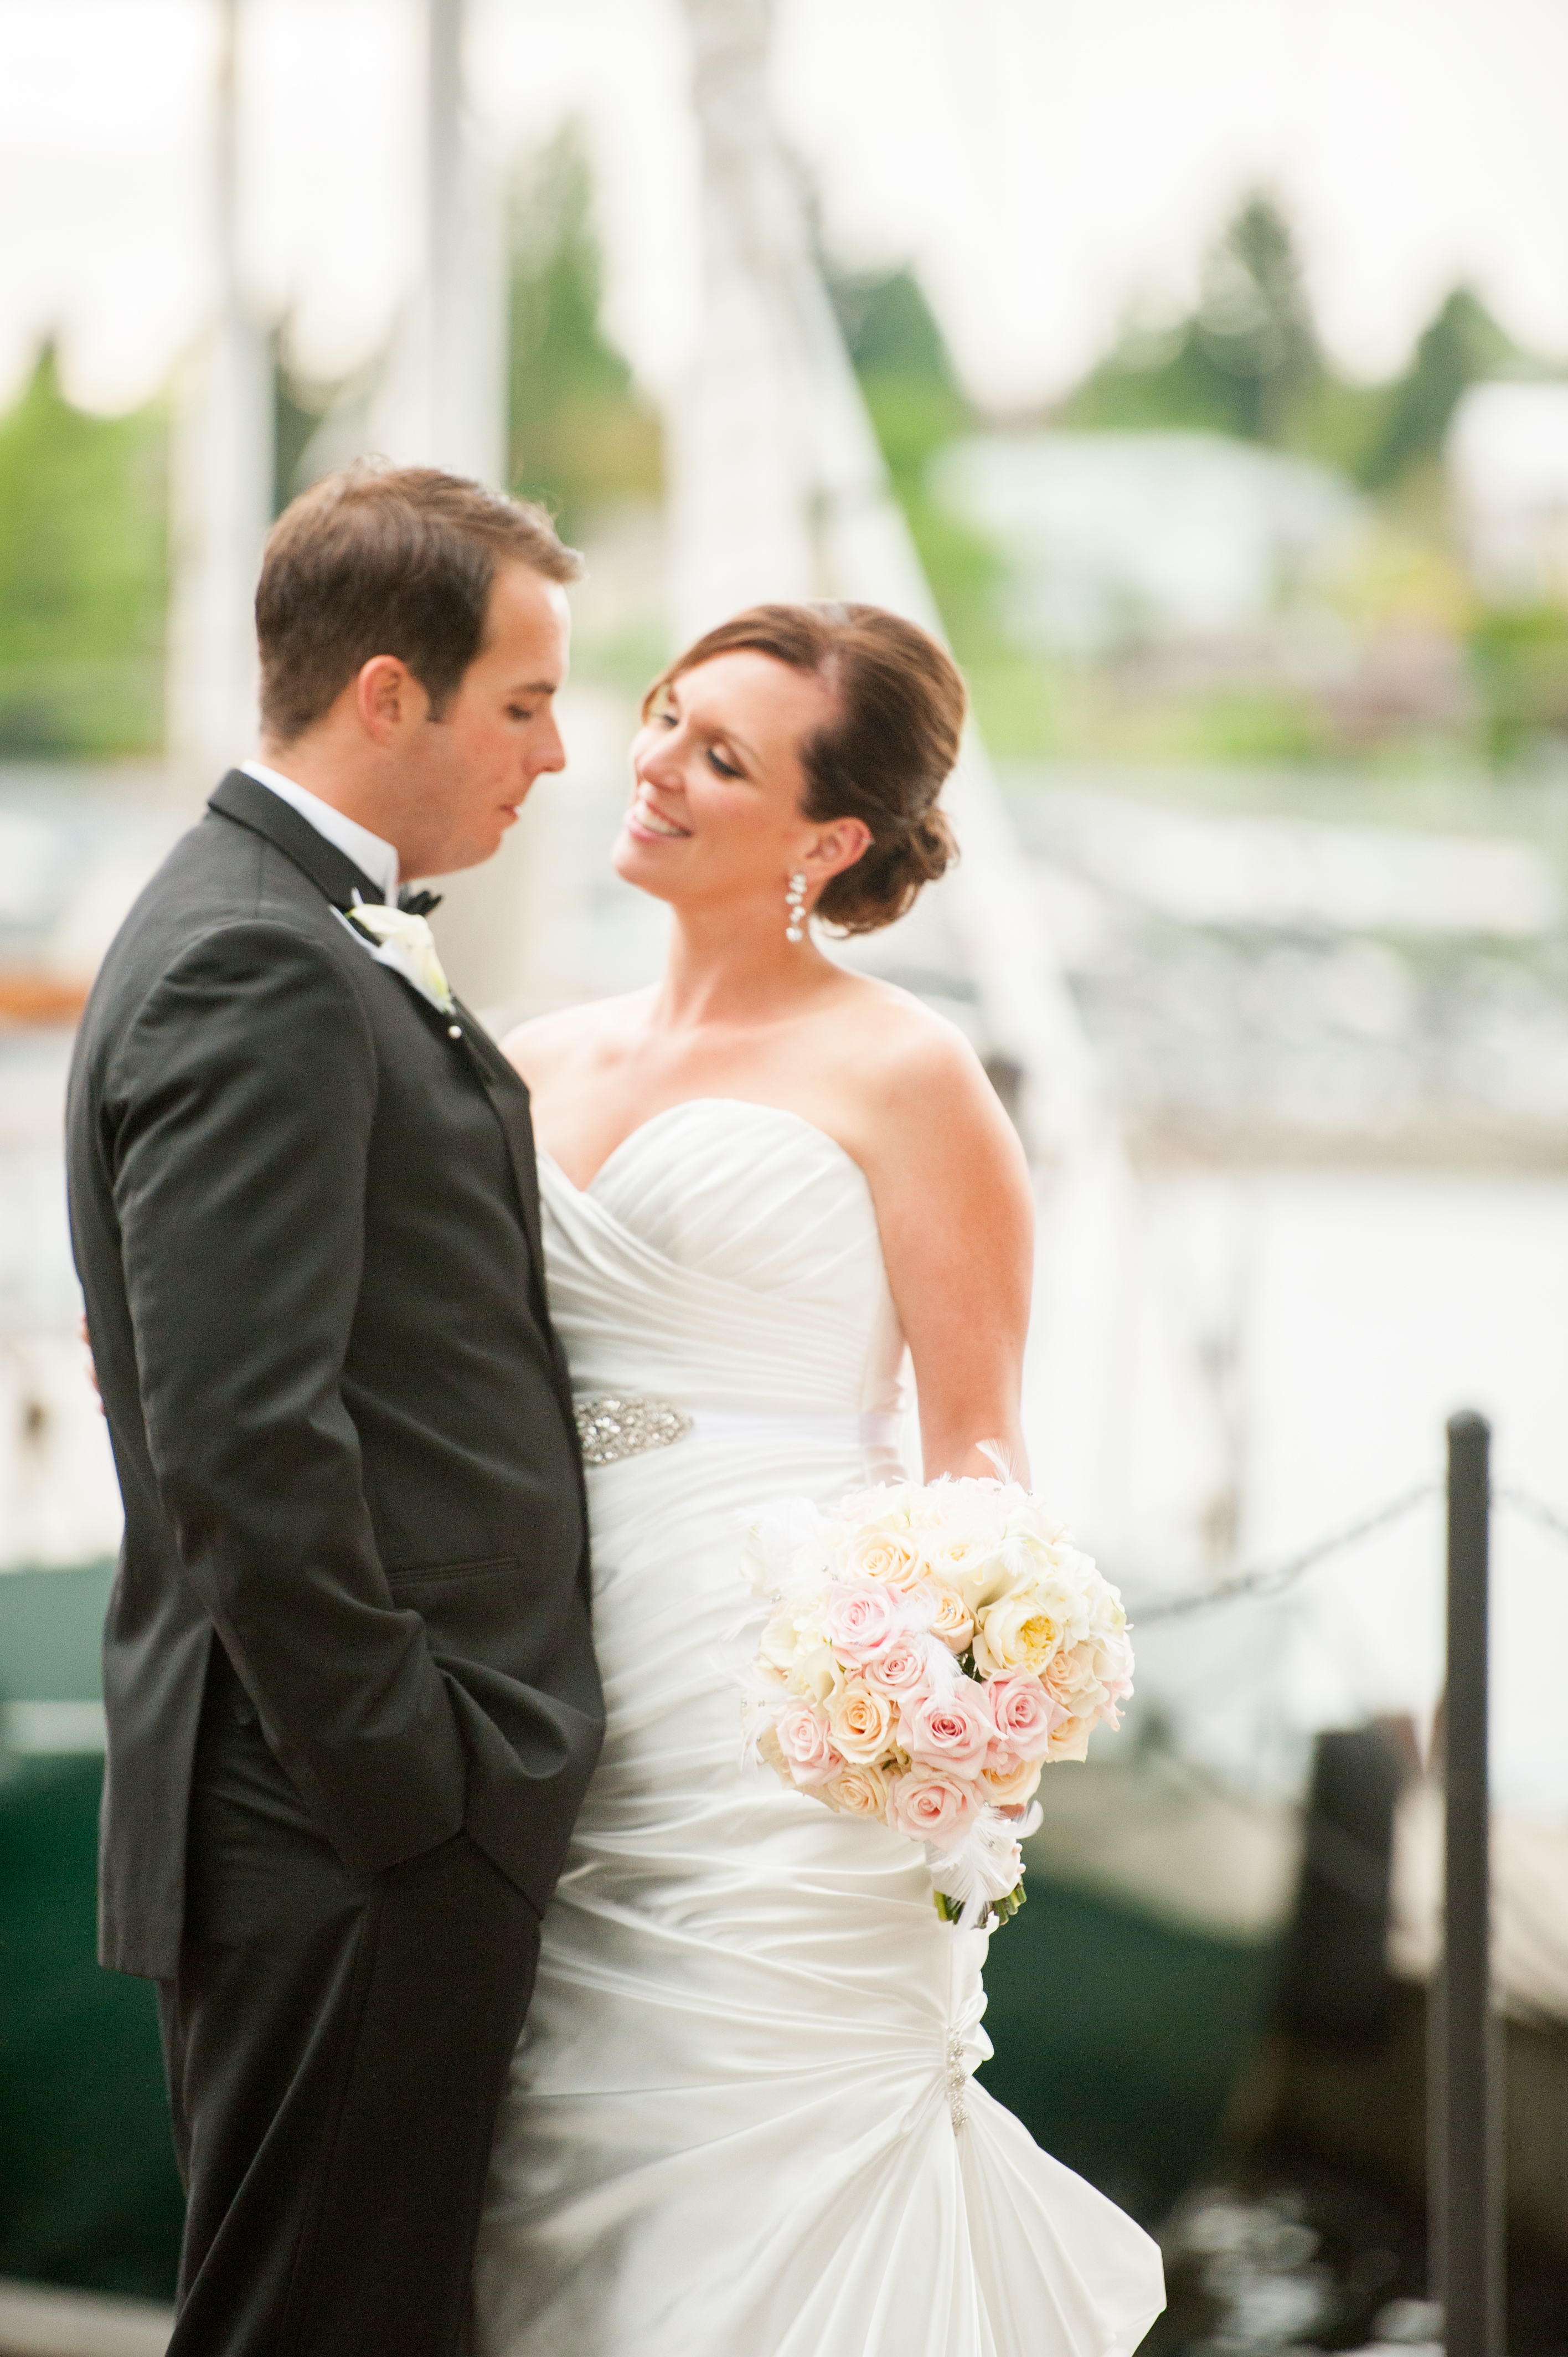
930 1650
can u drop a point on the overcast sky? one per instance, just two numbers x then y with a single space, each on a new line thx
1050 165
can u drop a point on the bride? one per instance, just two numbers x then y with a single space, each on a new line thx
741 2121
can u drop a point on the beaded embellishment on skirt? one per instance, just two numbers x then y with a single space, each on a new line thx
611 1428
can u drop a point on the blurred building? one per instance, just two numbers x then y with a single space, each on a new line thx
1125 539
1508 466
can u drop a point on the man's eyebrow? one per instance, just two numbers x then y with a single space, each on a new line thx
537 687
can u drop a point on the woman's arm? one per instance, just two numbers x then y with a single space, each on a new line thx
956 1212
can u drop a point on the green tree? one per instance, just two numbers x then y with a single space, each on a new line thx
83 576
916 405
580 437
1462 344
1248 362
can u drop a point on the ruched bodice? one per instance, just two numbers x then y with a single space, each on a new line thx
741 2121
725 1255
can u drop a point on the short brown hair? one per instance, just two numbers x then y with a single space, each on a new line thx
382 560
885 754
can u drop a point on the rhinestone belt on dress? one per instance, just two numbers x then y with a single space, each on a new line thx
611 1428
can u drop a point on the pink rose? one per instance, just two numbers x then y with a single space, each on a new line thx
932 1804
860 1620
802 1734
900 1670
953 1730
1024 1715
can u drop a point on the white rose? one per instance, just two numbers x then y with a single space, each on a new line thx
1015 1633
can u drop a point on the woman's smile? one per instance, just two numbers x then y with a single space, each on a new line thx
649 824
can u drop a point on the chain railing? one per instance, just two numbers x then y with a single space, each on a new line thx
1464 2178
1268 1580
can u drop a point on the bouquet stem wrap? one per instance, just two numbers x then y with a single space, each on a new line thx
932 1647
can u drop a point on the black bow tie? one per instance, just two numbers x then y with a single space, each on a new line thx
417 904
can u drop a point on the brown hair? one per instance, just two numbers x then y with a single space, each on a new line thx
885 754
382 560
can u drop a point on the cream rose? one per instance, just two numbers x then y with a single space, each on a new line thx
818 1672
861 1721
1015 1633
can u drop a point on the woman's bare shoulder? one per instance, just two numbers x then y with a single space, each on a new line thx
567 1034
902 1044
895 1062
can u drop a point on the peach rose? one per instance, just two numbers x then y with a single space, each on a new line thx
886 1555
1012 1782
859 1790
932 1804
953 1622
951 1731
1070 1738
1024 1715
802 1734
861 1720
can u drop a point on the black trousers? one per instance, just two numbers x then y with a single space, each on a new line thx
337 2048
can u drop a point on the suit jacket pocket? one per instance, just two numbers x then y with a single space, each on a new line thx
432 1575
477 1611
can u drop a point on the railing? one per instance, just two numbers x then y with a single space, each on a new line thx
1465 2166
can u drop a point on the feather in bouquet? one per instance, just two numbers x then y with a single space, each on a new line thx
930 1649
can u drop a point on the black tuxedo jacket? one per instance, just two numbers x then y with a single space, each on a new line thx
306 1218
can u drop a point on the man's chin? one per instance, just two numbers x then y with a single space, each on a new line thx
473 853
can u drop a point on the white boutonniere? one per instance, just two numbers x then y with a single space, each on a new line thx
396 938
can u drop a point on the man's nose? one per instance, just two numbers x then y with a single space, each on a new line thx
550 752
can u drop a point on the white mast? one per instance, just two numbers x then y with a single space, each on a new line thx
222 479
779 489
441 401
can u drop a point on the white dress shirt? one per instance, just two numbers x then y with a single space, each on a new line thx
374 858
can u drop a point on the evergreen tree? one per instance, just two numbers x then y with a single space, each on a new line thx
83 576
1246 364
1462 344
579 435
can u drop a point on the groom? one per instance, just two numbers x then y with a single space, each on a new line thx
351 1699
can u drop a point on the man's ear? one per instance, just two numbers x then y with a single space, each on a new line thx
388 698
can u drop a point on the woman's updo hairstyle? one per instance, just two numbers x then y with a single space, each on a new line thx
884 755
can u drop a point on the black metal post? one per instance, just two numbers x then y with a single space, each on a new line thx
1465 2175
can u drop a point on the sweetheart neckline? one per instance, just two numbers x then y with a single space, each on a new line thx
683 1104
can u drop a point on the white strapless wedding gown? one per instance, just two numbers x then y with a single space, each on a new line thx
741 2121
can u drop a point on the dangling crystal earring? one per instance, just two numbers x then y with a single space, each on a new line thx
795 902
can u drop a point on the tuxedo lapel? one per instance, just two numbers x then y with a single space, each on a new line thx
250 803
509 1098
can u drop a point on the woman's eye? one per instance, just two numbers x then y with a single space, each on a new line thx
722 766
